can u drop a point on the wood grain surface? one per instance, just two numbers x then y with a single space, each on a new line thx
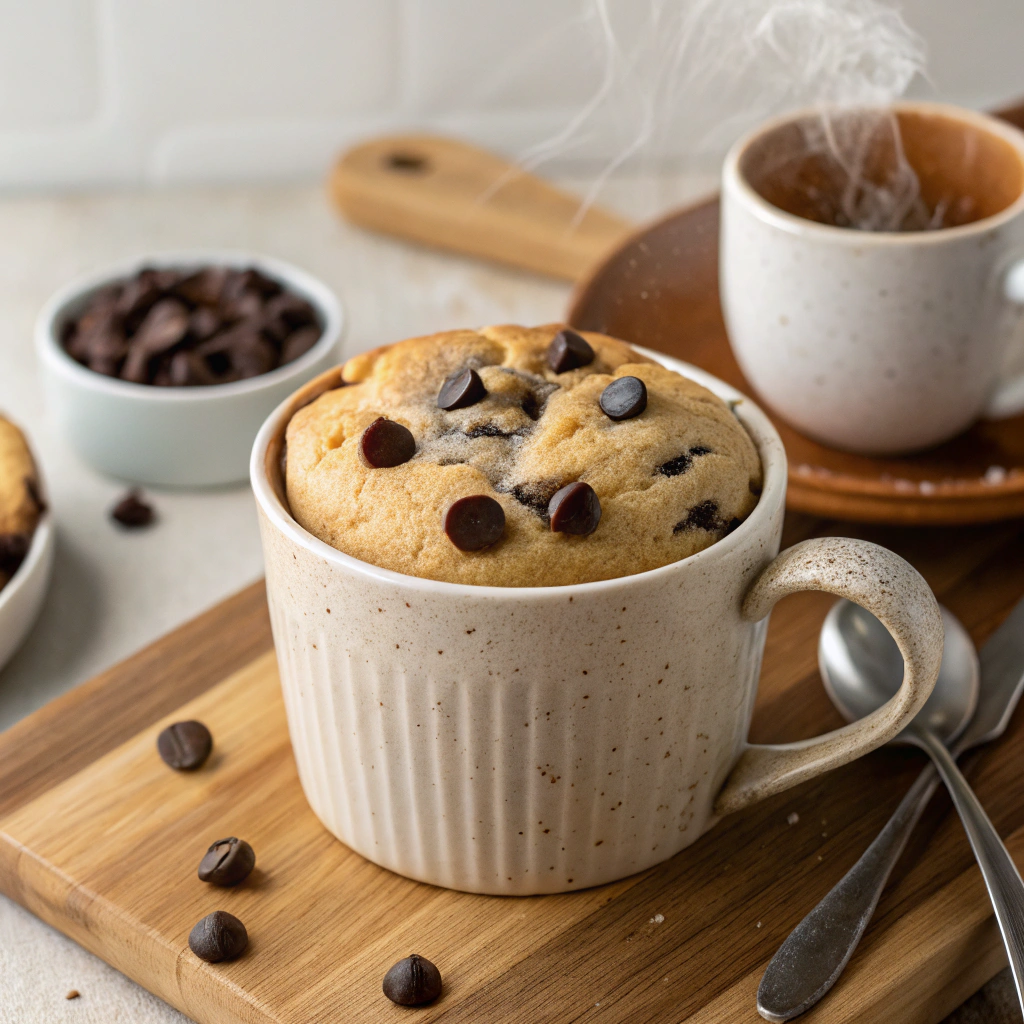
108 854
452 195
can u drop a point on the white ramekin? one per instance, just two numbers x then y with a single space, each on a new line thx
176 437
530 740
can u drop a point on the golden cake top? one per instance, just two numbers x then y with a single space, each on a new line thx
582 459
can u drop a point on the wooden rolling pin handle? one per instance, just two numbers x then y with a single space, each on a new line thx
452 195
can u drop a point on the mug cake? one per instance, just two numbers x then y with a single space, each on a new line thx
20 503
516 457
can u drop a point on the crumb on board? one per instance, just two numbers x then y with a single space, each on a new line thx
792 818
657 919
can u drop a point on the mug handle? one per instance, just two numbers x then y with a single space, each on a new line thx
893 591
1008 398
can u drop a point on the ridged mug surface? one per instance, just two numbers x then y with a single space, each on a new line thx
518 740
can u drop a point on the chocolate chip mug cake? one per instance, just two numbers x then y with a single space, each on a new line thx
20 504
515 456
531 737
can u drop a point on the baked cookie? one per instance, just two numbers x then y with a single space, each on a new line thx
20 504
514 456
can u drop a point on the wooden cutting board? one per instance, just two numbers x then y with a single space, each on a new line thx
101 840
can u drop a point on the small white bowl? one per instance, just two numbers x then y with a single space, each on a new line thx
174 436
22 598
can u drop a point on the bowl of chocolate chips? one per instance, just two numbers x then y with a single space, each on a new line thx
160 371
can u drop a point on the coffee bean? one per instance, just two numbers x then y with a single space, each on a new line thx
227 862
219 936
412 981
185 745
386 443
624 398
131 511
474 522
461 390
568 351
575 509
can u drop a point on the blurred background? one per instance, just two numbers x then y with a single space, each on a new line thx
143 92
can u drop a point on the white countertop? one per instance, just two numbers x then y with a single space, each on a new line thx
115 591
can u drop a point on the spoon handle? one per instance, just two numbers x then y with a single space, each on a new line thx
1002 879
814 955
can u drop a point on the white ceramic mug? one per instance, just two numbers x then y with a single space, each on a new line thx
535 740
880 342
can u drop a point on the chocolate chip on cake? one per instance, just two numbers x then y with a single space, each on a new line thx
227 862
218 936
474 522
703 516
461 390
386 443
568 351
132 512
412 981
575 509
624 398
681 463
185 745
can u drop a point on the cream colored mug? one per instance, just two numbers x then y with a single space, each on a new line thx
537 740
878 342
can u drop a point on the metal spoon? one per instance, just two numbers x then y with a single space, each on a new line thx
859 663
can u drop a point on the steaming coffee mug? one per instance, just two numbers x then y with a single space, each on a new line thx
879 342
540 739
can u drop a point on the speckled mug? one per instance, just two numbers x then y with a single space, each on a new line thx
881 343
537 740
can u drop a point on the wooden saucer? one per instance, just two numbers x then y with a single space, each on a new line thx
660 289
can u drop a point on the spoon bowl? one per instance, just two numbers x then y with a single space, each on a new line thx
862 668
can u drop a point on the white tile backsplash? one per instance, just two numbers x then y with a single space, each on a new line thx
49 63
100 92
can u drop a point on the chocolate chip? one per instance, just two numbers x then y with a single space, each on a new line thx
575 509
386 443
132 512
412 981
240 323
624 398
489 430
568 351
164 327
13 549
474 522
535 496
703 516
219 936
227 862
681 463
189 368
461 390
185 745
298 343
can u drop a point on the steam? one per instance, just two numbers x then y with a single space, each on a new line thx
707 70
